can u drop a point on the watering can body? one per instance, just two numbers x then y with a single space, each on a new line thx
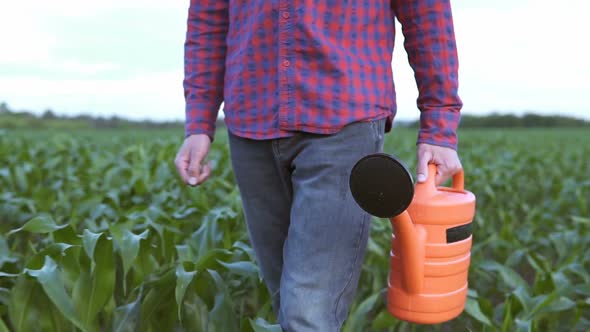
431 250
431 241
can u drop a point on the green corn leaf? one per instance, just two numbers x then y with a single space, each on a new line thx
184 253
50 279
243 268
66 235
561 304
583 289
196 315
48 317
580 271
22 304
357 320
81 295
160 295
581 220
509 276
5 254
157 308
8 275
39 224
70 264
129 249
183 280
3 327
20 179
472 308
222 316
89 240
126 317
94 289
508 322
211 258
113 196
5 295
245 248
550 303
55 250
383 321
145 263
183 213
261 325
523 325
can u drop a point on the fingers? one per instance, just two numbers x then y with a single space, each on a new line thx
424 158
446 170
205 172
446 160
442 174
181 162
194 167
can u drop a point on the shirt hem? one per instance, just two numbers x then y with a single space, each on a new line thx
283 132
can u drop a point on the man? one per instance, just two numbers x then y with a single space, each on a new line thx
308 90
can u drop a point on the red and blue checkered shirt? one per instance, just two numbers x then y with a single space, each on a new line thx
282 66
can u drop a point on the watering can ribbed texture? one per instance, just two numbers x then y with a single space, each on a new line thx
431 241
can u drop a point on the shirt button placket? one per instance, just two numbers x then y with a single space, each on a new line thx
285 63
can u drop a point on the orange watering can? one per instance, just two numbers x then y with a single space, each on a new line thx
431 244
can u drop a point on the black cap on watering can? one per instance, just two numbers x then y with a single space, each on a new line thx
381 185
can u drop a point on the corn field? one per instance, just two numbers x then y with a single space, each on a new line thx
98 233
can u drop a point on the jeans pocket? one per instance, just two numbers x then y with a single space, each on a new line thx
378 127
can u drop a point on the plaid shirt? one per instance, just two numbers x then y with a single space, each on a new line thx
282 66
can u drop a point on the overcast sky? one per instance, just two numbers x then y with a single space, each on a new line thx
125 57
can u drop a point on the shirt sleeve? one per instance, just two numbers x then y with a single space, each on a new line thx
204 64
432 53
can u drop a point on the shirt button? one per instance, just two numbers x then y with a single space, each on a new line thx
286 15
286 63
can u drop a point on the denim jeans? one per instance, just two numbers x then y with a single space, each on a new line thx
308 233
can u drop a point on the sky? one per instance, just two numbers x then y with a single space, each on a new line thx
125 57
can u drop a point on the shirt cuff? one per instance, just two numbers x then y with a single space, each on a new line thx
438 127
200 119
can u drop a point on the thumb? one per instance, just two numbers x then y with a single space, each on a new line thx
423 160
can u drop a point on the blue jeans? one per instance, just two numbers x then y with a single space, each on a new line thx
308 233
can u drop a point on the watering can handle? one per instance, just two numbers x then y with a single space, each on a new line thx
458 178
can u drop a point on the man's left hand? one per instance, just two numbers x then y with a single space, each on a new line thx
446 160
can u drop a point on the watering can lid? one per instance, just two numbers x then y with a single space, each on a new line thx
381 185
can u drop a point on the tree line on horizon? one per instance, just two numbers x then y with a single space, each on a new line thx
11 119
527 120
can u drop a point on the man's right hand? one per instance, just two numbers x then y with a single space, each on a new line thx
190 158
